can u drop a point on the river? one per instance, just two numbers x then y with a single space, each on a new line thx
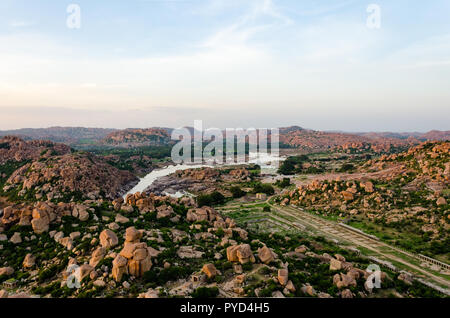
264 159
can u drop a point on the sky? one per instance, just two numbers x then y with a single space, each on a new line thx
230 63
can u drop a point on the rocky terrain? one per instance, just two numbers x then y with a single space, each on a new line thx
15 149
319 140
404 198
36 170
151 246
68 135
138 137
201 180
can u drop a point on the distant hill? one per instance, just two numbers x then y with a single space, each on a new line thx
68 135
428 136
307 139
138 137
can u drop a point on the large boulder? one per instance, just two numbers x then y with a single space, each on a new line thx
83 271
265 255
29 261
132 235
40 225
97 256
108 239
283 276
119 268
210 270
240 253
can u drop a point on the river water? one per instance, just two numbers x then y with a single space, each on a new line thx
269 161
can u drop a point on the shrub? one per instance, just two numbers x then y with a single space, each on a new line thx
205 292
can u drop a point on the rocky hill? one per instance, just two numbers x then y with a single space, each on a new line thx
312 140
67 135
138 137
75 174
149 246
16 149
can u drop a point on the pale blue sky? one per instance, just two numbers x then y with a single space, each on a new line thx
262 63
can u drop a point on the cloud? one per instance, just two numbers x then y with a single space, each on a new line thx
20 24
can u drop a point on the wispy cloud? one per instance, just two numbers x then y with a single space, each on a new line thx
21 24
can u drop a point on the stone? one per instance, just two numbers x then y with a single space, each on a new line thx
210 270
67 242
80 212
132 235
16 239
151 293
441 201
119 268
7 271
40 225
3 294
74 235
99 283
240 253
301 249
121 219
108 239
126 285
290 286
83 271
335 265
277 294
164 211
29 261
346 293
97 256
308 290
265 255
283 276
348 196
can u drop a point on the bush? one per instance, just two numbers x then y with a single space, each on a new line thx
210 199
237 192
264 188
205 292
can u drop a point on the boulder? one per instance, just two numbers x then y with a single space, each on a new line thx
346 293
119 268
283 276
67 242
29 261
132 235
441 201
308 290
121 219
335 265
265 255
40 225
7 271
16 239
210 270
108 239
97 256
290 286
240 253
